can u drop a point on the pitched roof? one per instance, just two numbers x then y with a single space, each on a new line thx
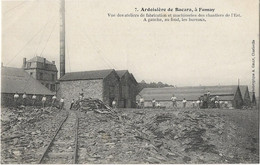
18 80
243 89
189 93
86 75
121 72
39 59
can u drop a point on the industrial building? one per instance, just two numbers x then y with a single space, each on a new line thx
42 70
128 89
100 84
232 94
17 80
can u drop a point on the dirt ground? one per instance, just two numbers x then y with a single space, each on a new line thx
138 135
171 136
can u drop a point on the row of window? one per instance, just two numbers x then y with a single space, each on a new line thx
49 86
40 76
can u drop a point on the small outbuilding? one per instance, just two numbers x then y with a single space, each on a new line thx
100 84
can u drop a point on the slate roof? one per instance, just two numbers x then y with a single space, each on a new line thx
39 59
18 80
243 89
189 93
86 75
121 72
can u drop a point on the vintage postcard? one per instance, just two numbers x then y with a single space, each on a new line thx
129 82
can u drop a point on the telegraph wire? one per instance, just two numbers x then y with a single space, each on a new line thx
25 45
49 37
14 7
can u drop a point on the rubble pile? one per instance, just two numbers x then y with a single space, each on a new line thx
140 136
26 131
90 104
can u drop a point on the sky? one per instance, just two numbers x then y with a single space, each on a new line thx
216 52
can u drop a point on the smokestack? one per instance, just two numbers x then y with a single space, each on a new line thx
62 38
24 62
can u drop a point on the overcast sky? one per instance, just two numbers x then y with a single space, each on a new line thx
217 52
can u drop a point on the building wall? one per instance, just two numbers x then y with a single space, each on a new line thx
46 79
247 100
111 88
7 99
189 104
128 90
71 89
238 100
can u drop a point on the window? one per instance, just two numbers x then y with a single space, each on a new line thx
31 73
52 87
52 77
47 85
41 76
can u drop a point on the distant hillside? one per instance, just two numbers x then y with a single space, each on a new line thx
143 85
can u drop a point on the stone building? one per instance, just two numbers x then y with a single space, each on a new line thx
100 84
17 80
231 94
128 89
42 70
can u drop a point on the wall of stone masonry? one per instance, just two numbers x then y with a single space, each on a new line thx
111 88
7 100
71 89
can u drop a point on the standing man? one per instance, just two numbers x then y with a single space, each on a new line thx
114 103
24 98
184 101
16 96
33 99
198 104
174 104
43 101
61 103
54 98
153 103
142 102
72 103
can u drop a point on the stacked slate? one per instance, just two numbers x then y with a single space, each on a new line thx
89 104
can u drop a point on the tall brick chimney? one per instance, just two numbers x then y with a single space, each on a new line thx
62 38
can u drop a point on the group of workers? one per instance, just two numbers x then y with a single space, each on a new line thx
206 102
34 98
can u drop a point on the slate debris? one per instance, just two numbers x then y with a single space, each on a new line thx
25 132
139 136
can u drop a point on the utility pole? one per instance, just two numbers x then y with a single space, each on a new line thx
62 38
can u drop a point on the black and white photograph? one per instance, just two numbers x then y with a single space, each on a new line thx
129 82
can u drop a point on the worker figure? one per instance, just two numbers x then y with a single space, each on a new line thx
193 104
198 104
16 96
208 93
184 101
226 104
158 105
54 98
72 103
174 103
220 104
43 101
142 102
33 99
61 103
153 103
114 104
24 98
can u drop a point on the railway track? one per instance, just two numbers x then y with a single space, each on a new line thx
62 149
